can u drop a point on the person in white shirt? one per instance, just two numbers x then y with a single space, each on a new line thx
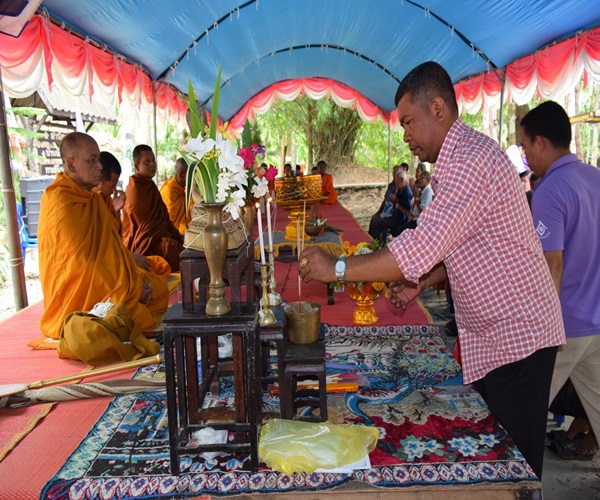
420 203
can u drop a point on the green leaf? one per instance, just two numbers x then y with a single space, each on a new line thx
205 183
195 120
189 179
214 113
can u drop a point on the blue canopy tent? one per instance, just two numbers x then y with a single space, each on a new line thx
367 45
361 48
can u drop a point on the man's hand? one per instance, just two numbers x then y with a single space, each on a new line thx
317 264
401 293
141 261
118 200
146 295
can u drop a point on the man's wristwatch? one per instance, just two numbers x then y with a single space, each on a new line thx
340 269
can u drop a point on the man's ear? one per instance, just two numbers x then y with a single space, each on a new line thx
541 142
438 108
71 163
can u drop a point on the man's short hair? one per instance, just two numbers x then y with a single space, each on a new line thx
181 165
548 120
426 81
401 174
138 150
110 165
426 175
404 166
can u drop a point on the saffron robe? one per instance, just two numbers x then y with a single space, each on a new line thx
174 197
328 189
84 261
146 227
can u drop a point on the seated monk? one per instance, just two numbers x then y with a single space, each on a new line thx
173 194
113 197
327 188
82 257
147 228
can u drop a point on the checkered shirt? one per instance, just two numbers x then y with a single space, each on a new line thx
480 226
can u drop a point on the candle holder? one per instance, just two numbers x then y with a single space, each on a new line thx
274 297
265 315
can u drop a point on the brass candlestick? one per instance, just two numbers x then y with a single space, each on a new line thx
265 315
274 297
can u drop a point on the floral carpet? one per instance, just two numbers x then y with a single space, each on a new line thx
433 430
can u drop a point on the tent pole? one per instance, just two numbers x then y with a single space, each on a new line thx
389 152
16 261
501 108
154 118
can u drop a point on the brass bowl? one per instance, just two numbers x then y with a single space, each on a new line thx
303 325
313 229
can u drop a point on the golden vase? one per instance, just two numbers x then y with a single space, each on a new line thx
215 251
364 294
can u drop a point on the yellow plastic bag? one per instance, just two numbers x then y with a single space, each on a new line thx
291 446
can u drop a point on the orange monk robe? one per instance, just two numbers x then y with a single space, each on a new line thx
83 260
146 227
173 194
328 190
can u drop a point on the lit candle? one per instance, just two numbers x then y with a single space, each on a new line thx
260 236
269 229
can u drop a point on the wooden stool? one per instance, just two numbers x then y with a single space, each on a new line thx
239 269
277 334
304 361
185 394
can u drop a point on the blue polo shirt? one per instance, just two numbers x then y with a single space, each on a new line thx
566 216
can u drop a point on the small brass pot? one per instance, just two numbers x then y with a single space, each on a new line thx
303 326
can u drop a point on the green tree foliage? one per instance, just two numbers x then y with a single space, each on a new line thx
314 130
372 146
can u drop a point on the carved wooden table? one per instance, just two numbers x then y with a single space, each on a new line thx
186 394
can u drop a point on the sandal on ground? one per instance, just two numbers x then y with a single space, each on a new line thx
566 453
563 438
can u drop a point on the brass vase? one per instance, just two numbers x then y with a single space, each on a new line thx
215 251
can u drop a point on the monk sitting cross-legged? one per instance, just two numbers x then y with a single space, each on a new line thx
82 258
147 228
173 194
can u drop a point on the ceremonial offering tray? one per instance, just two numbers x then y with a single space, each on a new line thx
295 194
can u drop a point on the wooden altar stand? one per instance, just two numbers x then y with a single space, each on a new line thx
186 395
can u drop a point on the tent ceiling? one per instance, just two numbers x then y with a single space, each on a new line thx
367 45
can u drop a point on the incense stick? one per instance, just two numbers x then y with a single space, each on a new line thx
298 251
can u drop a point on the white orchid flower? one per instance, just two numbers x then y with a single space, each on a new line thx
261 188
229 159
200 146
235 201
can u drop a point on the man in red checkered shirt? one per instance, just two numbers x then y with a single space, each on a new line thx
477 233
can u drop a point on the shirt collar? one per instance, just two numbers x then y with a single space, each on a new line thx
557 165
450 141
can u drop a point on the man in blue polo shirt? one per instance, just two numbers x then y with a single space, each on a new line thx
566 216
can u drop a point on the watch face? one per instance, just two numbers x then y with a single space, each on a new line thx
340 266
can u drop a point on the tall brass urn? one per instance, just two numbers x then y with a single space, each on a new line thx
215 251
